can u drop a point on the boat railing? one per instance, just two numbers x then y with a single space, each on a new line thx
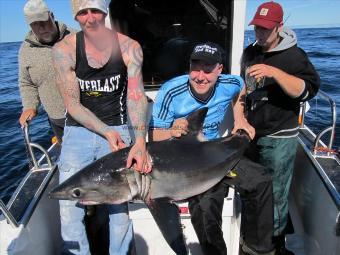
30 145
27 195
331 128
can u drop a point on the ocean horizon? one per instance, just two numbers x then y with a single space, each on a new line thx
250 28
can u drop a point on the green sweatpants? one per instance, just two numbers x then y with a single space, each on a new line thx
278 156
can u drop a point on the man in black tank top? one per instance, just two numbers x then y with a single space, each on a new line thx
100 79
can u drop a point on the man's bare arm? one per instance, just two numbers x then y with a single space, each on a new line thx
136 102
136 98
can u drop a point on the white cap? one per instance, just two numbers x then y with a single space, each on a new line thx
36 10
79 5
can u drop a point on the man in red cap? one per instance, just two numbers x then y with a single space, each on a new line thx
278 77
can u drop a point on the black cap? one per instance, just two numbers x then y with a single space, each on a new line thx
208 52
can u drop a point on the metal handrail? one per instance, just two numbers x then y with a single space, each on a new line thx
8 215
30 147
36 167
331 128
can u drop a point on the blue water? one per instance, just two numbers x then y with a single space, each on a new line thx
13 160
322 46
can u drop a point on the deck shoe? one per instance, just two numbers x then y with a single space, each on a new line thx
246 250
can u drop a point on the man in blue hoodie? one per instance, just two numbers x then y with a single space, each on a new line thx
278 77
207 86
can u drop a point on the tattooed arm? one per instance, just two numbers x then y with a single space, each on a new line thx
136 102
64 59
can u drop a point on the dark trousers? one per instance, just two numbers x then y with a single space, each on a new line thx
255 189
57 126
206 218
278 156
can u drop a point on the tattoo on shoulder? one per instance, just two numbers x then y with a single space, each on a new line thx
64 63
63 53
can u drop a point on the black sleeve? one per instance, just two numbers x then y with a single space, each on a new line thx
306 71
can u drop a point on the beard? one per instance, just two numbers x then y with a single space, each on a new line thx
48 38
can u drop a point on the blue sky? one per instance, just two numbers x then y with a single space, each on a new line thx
303 13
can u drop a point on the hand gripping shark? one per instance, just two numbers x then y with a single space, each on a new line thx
182 168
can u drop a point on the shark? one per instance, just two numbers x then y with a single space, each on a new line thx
182 168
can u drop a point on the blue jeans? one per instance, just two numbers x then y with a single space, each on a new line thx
80 147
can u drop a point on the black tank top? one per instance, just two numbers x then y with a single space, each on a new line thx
102 90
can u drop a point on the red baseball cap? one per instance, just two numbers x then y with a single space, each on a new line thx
268 15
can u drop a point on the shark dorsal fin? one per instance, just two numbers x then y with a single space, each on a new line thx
195 123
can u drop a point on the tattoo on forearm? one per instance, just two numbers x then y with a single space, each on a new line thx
136 99
137 114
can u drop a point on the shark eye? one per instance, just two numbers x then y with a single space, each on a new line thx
76 193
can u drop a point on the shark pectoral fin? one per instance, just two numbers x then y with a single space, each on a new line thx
166 215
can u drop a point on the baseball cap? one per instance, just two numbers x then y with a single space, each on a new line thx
208 52
79 5
268 15
36 10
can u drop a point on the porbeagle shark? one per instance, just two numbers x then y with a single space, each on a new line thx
182 168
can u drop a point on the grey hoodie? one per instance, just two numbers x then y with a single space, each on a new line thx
37 78
289 39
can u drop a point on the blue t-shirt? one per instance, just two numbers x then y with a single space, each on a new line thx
175 100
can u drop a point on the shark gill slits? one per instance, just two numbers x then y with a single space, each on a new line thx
76 193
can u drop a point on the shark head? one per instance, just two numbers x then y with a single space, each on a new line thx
97 183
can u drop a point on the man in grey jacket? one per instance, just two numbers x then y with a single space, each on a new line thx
36 73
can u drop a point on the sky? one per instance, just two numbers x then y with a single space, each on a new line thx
302 13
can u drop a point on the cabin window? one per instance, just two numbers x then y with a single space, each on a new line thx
167 30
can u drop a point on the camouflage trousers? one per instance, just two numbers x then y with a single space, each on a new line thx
278 156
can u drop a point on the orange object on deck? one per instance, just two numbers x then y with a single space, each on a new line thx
54 140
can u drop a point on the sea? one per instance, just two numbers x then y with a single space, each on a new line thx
321 44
